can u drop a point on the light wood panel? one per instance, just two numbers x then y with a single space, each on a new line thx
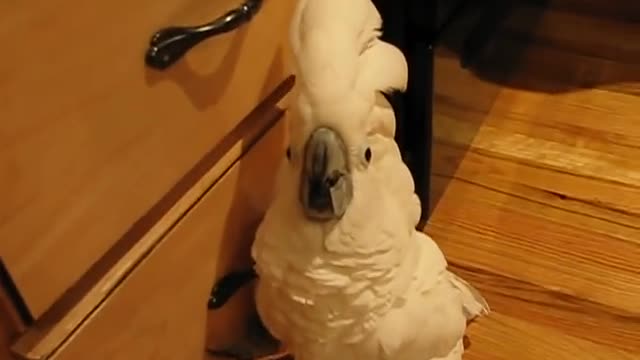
156 295
540 204
90 139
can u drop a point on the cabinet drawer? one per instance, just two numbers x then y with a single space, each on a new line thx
158 311
90 138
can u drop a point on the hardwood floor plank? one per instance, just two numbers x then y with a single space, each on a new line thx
620 10
536 182
536 164
567 121
517 238
568 314
547 154
613 207
453 82
519 61
597 37
574 118
502 337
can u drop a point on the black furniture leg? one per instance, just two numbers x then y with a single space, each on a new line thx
421 30
411 25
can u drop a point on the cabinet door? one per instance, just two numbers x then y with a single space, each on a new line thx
157 308
91 138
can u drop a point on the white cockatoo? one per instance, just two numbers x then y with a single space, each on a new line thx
342 271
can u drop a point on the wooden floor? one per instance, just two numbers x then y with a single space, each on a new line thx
537 186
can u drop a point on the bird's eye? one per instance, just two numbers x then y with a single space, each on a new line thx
288 152
367 155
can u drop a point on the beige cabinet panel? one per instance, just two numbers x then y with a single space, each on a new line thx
158 310
90 138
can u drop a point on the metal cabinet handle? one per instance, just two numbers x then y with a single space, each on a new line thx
168 45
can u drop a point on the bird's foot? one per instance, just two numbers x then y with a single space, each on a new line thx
226 287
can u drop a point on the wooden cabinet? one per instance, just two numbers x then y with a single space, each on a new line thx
158 309
127 190
90 139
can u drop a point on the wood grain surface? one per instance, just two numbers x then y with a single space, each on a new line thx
536 185
91 139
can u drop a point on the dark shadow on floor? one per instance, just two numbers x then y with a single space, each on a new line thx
536 46
468 93
532 48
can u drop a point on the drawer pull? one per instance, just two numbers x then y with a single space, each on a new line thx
168 45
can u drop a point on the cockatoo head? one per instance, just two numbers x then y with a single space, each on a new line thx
329 154
342 68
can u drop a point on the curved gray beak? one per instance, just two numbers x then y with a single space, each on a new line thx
326 187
